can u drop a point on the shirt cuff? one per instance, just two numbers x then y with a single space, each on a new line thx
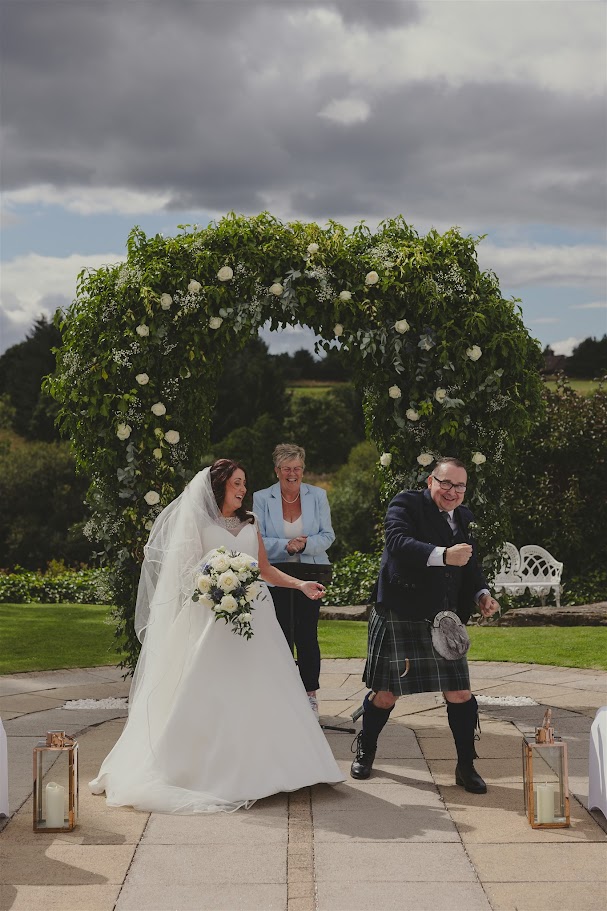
478 595
436 557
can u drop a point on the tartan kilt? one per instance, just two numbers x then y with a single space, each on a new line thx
391 640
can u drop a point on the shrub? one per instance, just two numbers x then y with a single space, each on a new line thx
353 579
85 586
560 487
355 503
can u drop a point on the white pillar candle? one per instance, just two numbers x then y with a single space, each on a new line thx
55 801
545 803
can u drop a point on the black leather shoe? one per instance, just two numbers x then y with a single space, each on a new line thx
468 778
362 765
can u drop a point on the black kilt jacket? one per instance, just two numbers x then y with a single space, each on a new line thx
414 526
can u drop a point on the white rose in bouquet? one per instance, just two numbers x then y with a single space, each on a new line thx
478 458
394 392
474 353
220 562
411 414
228 581
345 295
215 322
385 459
152 498
245 617
206 601
228 603
123 431
425 458
143 379
143 330
225 274
371 278
194 286
253 590
203 584
158 409
165 301
401 325
276 289
172 437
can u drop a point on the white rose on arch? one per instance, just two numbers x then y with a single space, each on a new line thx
194 286
345 295
394 392
143 379
276 289
338 329
411 414
401 325
425 458
474 353
440 394
313 248
172 437
478 458
123 431
371 278
143 330
159 409
385 459
215 322
152 497
225 274
165 301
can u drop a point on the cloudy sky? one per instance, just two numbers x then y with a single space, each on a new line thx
486 114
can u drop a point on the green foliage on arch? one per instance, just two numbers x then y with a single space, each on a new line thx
443 360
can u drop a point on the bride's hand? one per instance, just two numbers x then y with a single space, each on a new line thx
312 590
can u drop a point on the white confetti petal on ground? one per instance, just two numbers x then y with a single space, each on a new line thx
111 703
505 700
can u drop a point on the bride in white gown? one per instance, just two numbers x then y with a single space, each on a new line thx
215 721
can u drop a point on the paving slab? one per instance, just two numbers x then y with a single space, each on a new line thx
409 896
213 897
391 862
63 864
200 864
530 897
58 898
540 863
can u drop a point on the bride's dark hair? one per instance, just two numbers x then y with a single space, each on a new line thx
221 471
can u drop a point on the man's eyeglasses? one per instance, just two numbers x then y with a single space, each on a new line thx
447 485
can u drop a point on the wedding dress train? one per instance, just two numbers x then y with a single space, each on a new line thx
215 721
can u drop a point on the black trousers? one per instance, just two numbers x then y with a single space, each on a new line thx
305 631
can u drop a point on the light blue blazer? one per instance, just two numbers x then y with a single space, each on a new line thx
267 506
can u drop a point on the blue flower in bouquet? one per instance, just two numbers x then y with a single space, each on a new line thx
228 583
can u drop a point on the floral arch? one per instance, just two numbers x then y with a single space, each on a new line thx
444 362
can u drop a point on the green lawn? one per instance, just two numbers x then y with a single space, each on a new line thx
584 387
314 389
573 646
47 636
40 637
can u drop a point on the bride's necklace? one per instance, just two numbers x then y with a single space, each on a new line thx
231 521
290 502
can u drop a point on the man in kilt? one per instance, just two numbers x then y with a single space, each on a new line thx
428 565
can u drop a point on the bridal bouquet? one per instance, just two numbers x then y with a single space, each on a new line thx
228 584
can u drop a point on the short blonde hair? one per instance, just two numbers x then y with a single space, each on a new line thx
284 452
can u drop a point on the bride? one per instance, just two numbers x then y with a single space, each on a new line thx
215 721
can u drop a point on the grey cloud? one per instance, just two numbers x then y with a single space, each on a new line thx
203 101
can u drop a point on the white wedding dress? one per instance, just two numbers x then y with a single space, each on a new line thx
215 721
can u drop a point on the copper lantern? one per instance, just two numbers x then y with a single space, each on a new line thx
545 777
55 783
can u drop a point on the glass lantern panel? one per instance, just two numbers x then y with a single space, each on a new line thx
548 783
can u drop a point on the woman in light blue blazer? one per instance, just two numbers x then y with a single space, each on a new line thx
295 524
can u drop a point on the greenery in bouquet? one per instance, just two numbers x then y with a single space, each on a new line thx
227 583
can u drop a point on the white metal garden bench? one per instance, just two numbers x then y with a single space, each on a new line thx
531 568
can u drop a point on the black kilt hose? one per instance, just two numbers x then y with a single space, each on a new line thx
391 641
